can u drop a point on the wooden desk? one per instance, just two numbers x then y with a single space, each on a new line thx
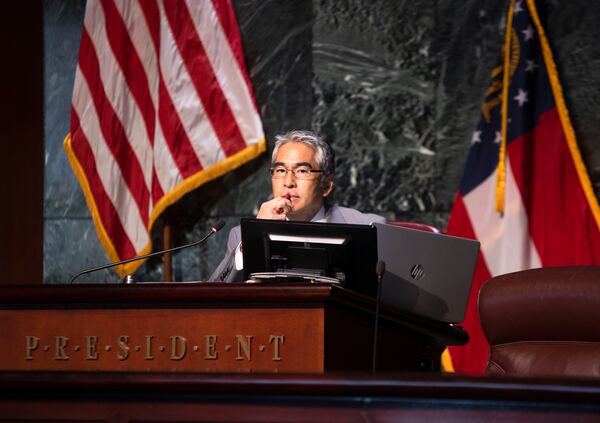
176 397
209 327
325 330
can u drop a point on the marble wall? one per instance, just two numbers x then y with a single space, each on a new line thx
394 85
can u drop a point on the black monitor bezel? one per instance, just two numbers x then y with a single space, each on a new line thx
360 250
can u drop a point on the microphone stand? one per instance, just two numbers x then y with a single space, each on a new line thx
380 270
129 278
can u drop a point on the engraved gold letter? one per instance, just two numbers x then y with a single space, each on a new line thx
61 344
245 346
211 345
182 342
122 343
149 347
279 340
31 344
91 343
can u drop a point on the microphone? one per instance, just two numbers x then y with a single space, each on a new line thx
379 270
216 228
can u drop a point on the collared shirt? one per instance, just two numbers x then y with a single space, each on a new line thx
239 257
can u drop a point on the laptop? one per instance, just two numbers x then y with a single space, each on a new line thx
427 274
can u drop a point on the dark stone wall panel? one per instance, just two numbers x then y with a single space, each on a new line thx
374 89
467 43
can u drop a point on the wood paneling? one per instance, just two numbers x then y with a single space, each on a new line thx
225 340
21 143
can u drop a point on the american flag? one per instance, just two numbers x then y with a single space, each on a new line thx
162 103
525 193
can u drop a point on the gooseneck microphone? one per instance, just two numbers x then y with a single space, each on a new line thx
380 270
216 228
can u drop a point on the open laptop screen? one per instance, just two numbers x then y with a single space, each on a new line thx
427 274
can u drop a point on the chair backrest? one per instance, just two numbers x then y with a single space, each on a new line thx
415 225
543 322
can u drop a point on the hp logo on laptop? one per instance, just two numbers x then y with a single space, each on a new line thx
417 272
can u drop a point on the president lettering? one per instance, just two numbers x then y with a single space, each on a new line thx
175 347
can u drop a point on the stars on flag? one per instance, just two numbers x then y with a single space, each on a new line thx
531 66
476 137
498 137
528 32
518 7
521 97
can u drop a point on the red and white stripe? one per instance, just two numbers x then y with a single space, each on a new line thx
547 219
161 103
505 241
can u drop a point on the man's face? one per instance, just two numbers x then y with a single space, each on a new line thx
306 195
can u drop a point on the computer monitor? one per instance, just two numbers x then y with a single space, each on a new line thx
342 251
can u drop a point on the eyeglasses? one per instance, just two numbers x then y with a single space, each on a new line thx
300 172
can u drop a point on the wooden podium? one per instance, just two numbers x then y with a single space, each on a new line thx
112 353
210 327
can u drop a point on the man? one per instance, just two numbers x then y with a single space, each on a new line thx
302 173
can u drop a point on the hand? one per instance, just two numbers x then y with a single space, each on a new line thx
276 209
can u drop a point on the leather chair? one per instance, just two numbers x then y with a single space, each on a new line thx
543 322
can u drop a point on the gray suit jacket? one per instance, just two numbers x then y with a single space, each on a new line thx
226 271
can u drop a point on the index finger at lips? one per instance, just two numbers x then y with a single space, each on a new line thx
279 205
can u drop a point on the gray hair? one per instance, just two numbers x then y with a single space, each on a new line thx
324 155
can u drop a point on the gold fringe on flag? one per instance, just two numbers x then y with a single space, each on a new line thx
501 167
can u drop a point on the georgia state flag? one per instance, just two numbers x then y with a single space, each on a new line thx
525 193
